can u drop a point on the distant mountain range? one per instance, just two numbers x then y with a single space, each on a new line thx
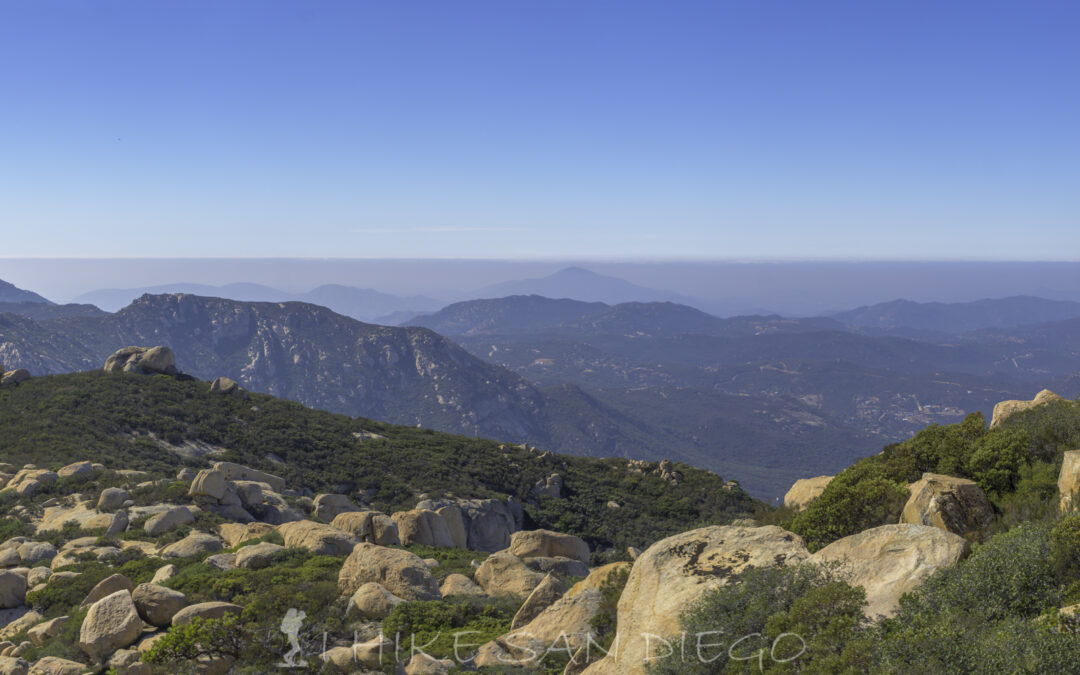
577 283
359 303
763 399
904 316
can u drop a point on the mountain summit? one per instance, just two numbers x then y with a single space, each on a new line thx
11 293
578 283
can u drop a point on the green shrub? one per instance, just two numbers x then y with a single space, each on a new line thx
433 625
1065 547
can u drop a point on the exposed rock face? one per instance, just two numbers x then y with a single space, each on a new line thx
318 538
455 521
507 574
1006 409
422 664
157 605
552 487
548 544
374 602
110 624
562 567
955 505
1069 480
142 361
488 522
370 526
423 527
806 490
205 610
674 572
891 560
567 622
328 507
398 571
208 486
542 597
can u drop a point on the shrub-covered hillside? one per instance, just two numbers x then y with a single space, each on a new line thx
1016 464
135 422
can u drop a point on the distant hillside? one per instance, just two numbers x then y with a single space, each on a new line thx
136 422
577 283
9 293
537 315
41 310
960 317
359 303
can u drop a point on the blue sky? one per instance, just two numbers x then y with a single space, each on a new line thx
758 129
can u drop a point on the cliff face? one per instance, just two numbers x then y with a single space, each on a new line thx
298 351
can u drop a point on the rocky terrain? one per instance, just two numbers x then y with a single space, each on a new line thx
152 542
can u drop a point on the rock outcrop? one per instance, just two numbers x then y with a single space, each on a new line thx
423 527
507 574
488 522
142 361
318 538
674 572
398 571
370 526
110 624
1005 409
952 504
891 560
806 490
548 544
1069 481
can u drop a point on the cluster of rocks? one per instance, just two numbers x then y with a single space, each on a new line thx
664 469
142 361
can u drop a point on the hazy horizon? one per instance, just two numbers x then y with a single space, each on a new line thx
721 287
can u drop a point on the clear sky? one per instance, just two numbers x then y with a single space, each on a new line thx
911 129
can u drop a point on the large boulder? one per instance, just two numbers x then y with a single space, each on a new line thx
564 624
1006 409
157 605
257 556
83 469
329 506
370 526
488 522
12 589
195 544
423 527
233 471
806 490
318 538
548 544
142 361
955 505
113 583
507 574
459 584
374 602
228 387
46 630
1069 480
111 623
398 571
237 533
14 665
208 486
161 523
543 596
205 610
455 521
891 560
675 572
54 665
112 498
